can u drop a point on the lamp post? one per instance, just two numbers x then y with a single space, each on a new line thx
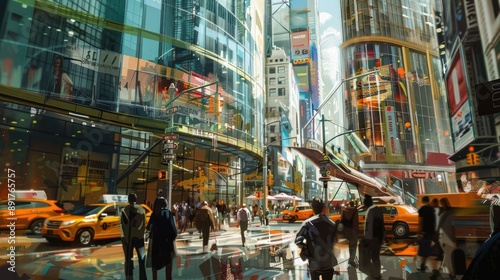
323 120
330 94
172 97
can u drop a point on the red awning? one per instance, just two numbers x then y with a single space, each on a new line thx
365 183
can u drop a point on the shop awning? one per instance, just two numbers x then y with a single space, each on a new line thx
366 184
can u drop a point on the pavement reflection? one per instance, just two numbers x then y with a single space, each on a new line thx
269 254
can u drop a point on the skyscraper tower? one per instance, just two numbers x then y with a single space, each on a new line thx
394 94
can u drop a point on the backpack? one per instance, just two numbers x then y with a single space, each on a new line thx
243 215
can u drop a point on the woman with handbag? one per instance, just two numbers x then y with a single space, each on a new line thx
162 235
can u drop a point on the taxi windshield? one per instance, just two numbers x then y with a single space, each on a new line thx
87 210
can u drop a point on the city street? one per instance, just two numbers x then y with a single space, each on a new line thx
258 260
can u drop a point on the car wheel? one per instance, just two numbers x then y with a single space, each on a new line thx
84 237
36 226
292 219
400 230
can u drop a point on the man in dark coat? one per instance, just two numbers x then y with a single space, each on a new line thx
316 238
369 259
204 223
133 225
163 232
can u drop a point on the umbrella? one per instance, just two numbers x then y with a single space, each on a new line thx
283 196
270 197
296 198
252 197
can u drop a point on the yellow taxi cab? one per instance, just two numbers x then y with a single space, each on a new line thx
299 212
88 223
27 213
401 220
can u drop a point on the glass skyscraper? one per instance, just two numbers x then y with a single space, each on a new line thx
84 93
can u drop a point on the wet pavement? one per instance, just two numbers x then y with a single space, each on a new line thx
268 254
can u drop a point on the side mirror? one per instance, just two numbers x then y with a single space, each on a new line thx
103 215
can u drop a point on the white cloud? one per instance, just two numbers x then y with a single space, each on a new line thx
324 17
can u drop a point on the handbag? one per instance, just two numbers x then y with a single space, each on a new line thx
213 247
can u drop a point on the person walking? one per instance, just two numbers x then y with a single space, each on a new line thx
204 223
216 214
223 212
446 237
267 216
261 216
316 238
374 236
427 237
242 217
350 220
162 235
132 227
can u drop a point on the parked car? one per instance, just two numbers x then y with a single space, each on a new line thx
300 212
88 223
29 213
401 220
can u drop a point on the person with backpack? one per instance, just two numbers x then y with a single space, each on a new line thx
350 220
242 217
132 227
369 248
316 238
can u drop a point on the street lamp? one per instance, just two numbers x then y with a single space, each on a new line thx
330 94
169 108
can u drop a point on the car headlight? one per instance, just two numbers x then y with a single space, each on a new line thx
46 222
67 223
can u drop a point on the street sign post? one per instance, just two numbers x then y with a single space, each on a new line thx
324 167
170 136
168 146
167 157
172 110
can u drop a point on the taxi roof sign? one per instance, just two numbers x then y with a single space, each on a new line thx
110 198
40 194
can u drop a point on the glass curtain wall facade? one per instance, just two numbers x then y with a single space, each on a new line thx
397 95
89 80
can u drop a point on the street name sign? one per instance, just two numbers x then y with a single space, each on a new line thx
169 146
166 157
170 136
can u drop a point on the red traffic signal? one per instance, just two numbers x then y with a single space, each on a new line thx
162 175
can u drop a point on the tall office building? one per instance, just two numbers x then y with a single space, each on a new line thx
395 94
468 40
89 88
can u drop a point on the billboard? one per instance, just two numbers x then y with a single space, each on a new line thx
298 15
456 84
300 47
459 103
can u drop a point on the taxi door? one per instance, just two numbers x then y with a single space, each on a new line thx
108 224
390 216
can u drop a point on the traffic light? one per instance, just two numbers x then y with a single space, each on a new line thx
162 175
270 179
472 159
